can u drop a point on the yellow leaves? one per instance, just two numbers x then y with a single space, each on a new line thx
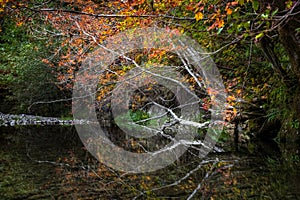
289 4
199 16
234 111
148 178
3 2
231 98
260 35
2 5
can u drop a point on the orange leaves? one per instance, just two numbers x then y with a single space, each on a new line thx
206 104
89 10
20 23
219 23
235 92
234 3
216 14
134 3
80 34
230 6
221 15
231 108
231 111
46 61
211 92
228 11
157 54
130 22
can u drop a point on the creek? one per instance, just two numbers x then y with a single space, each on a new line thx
50 162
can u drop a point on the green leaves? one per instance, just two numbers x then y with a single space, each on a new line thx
138 115
274 12
255 5
23 75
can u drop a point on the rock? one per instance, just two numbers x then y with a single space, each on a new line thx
23 119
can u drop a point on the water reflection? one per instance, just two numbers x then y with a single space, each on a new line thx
29 159
50 162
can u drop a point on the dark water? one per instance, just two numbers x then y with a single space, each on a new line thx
50 162
30 158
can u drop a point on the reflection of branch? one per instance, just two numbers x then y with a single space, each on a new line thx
210 173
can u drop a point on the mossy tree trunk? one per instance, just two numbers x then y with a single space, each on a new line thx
289 35
287 28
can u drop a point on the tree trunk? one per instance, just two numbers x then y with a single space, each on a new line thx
288 29
289 33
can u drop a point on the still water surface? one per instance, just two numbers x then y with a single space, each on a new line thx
50 162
